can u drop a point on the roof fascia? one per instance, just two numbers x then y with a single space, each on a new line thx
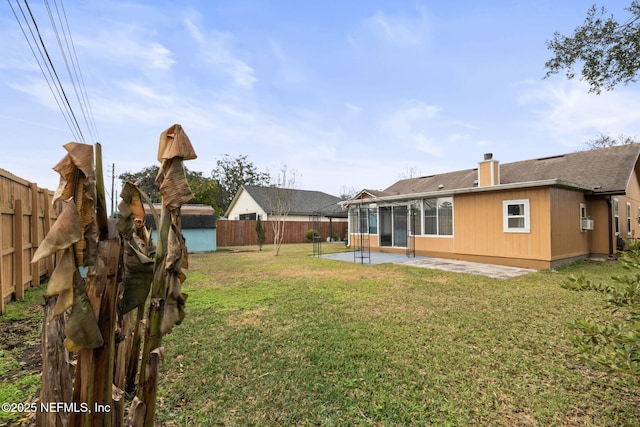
635 163
501 187
235 200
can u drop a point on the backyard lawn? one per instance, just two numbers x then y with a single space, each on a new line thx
296 340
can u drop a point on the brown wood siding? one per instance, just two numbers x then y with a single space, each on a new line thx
568 239
478 225
598 211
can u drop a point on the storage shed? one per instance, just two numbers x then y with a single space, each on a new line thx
198 227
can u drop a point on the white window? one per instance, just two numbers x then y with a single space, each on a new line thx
516 216
438 216
628 218
583 216
616 216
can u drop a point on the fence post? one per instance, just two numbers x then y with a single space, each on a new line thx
47 226
35 238
18 244
1 263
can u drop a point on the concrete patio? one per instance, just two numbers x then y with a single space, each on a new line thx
488 270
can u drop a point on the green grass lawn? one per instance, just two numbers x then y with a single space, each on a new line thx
296 340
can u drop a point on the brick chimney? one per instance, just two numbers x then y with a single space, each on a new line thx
488 171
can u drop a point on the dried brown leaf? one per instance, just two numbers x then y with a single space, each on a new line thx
62 277
174 142
66 231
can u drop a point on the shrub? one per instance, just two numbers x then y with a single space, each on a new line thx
311 234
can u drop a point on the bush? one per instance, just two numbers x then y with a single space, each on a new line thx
613 343
311 234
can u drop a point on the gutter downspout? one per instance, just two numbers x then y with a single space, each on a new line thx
610 216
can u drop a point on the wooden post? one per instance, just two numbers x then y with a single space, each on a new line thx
35 238
18 244
1 264
47 226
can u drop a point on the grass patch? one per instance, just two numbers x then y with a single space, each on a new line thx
20 353
296 340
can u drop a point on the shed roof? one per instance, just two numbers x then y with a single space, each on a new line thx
191 216
605 170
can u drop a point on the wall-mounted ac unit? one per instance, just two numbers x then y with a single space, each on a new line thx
587 224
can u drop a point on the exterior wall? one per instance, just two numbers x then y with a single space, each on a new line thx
598 211
196 239
200 240
632 197
478 219
569 241
246 205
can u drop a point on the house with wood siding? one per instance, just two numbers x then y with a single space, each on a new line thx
540 213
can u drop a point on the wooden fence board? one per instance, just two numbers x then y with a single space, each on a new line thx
243 232
25 218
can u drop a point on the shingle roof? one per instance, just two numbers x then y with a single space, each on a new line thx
191 216
605 170
303 202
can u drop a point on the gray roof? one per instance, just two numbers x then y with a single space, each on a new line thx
605 170
303 202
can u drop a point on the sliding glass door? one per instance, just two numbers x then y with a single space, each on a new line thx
393 226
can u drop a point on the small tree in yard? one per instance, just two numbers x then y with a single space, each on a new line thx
261 233
279 201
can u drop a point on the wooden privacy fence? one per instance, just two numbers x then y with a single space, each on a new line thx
26 216
243 232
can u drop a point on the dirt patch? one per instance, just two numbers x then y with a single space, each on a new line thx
21 338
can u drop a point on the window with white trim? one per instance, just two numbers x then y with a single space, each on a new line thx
616 216
628 218
438 216
583 216
516 217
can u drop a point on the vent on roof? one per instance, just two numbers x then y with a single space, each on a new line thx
440 187
551 157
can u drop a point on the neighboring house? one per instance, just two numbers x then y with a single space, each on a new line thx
198 226
540 213
253 201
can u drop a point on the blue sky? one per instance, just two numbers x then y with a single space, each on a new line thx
348 94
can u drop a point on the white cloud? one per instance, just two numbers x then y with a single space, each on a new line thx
573 116
124 45
411 124
290 71
216 51
397 29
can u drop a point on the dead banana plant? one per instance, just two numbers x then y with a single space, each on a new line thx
106 272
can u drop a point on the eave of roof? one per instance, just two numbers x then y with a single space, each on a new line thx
447 193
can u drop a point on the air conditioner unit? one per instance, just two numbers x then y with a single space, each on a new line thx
587 224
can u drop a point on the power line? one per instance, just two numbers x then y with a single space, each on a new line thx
44 61
78 83
63 110
55 73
